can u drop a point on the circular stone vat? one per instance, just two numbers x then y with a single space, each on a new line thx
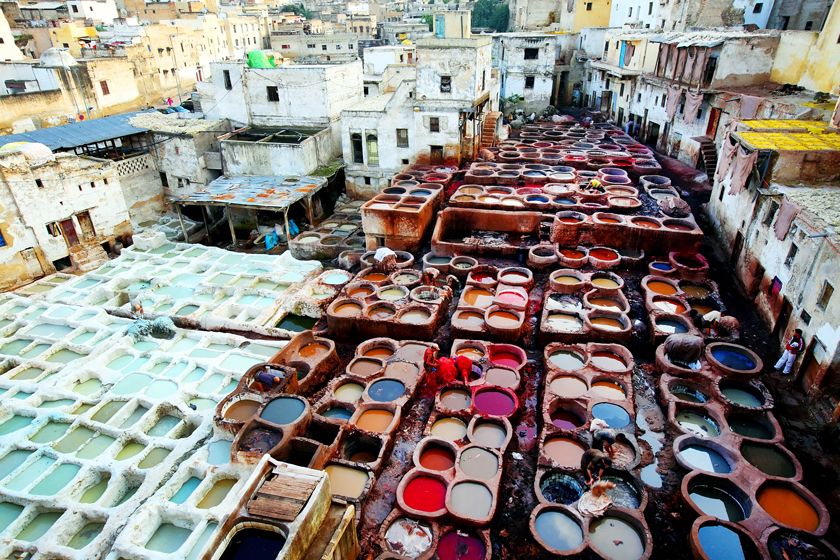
347 308
702 457
455 399
460 545
661 287
754 425
608 389
567 415
381 311
687 393
379 350
769 459
562 321
360 290
283 410
607 281
557 530
488 433
501 377
376 420
478 463
615 416
718 498
695 290
671 324
409 537
627 492
392 293
788 506
560 488
616 538
568 386
566 360
449 429
697 423
742 394
414 315
508 356
386 390
734 358
668 304
436 456
425 493
471 351
719 540
349 392
564 451
405 278
607 361
646 223
365 367
360 448
784 545
492 401
336 412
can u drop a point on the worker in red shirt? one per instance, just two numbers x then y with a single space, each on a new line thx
440 370
464 366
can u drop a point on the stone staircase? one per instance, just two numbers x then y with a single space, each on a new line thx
488 129
87 256
708 153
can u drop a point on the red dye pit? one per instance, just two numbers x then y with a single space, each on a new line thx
495 403
603 254
505 359
511 298
482 277
436 458
456 545
425 493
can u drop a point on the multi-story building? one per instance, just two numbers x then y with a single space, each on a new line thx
73 37
778 222
804 15
38 235
334 47
96 11
401 33
526 63
8 49
436 116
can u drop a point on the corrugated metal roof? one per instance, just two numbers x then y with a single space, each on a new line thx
80 133
255 191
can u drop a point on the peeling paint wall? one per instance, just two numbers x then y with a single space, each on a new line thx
792 56
816 261
181 159
68 186
822 72
514 68
745 61
141 188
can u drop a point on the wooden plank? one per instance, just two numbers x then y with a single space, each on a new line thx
282 497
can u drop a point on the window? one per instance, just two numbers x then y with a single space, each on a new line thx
356 143
286 47
434 124
529 82
372 149
104 85
630 12
75 9
273 94
323 47
308 46
806 317
662 103
532 54
589 6
226 74
791 255
809 25
402 138
825 295
771 213
650 8
338 47
2 240
350 46
405 162
39 183
589 76
367 180
445 84
621 89
606 46
757 8
638 97
366 91
54 230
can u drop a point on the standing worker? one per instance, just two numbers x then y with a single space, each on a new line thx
603 437
792 349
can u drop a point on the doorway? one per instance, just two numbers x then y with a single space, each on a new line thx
782 321
737 247
68 229
436 155
653 134
714 119
86 224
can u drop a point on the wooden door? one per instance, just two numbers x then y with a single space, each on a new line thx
714 119
88 232
69 231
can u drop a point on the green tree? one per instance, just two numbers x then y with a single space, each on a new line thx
298 9
491 13
427 19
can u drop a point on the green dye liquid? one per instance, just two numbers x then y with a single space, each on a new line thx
130 449
217 493
30 474
154 458
107 411
185 491
86 535
163 426
8 514
39 526
73 440
14 424
51 431
95 447
168 538
56 480
135 416
95 492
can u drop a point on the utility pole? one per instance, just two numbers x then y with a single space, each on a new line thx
175 62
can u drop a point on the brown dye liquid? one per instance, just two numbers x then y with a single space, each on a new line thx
313 349
375 420
607 323
564 451
663 288
241 410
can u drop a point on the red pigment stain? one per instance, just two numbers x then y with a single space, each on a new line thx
495 403
482 277
437 459
460 546
425 493
505 359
